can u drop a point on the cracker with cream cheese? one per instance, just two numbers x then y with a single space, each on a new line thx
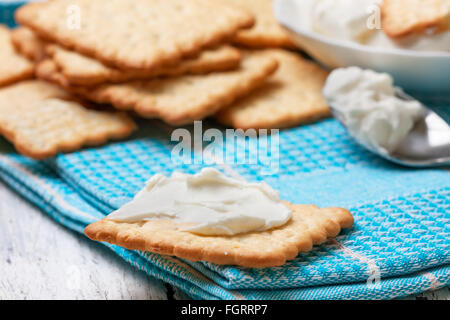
41 120
308 226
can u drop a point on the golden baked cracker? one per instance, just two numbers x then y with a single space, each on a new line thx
48 70
179 100
266 32
403 17
13 67
293 95
41 120
82 70
28 43
138 34
308 226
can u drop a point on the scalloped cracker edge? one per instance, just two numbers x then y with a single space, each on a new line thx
292 96
267 31
82 70
13 66
179 100
28 43
42 120
143 34
308 226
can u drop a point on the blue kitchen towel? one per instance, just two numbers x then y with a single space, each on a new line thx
7 9
401 214
398 246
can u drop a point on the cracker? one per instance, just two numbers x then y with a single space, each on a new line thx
48 70
136 34
308 226
82 70
266 32
292 96
403 17
28 43
179 100
13 67
41 120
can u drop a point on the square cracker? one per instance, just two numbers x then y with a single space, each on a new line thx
179 100
28 43
13 67
266 32
403 17
292 96
82 70
138 34
41 120
308 226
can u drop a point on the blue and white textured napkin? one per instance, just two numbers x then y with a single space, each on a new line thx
7 8
400 243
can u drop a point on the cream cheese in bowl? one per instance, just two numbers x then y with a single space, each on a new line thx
357 21
344 33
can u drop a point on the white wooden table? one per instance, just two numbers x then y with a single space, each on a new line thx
40 259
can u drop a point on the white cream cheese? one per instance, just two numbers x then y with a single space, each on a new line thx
366 103
342 19
348 20
210 202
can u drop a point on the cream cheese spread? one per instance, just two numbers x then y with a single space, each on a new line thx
342 19
355 21
209 202
366 102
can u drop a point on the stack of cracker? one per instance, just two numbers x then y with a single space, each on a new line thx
40 118
174 60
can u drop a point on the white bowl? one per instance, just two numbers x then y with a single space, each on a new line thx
426 72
